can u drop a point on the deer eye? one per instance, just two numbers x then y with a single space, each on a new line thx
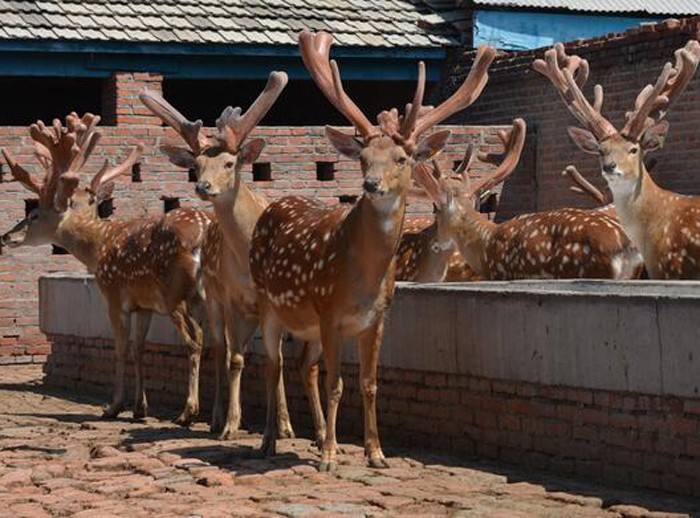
401 160
633 151
228 165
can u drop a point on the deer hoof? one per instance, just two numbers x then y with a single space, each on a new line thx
327 466
140 412
184 419
378 463
285 431
112 411
269 446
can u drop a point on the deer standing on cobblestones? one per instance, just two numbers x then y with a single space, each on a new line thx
663 225
327 273
563 243
231 298
141 266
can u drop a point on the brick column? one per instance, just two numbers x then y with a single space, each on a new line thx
120 99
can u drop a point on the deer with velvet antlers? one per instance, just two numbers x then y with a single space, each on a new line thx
327 273
231 298
141 266
663 225
563 243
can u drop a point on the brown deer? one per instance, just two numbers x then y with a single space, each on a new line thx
663 225
141 266
231 298
563 243
342 261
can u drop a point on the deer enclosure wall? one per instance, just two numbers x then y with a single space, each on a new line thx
293 154
623 64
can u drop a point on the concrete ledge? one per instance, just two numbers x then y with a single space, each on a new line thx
633 336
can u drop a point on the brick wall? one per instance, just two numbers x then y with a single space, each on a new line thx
623 64
620 437
292 152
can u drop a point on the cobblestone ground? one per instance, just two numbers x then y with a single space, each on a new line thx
57 458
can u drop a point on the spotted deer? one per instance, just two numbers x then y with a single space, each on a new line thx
142 265
327 273
563 243
231 298
663 225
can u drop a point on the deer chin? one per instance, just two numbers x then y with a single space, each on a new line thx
620 185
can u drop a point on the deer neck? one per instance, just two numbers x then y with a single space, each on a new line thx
438 256
83 236
373 229
237 211
473 235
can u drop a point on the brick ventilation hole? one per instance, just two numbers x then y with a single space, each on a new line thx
347 198
456 164
489 204
191 175
170 203
325 171
2 173
136 172
262 172
106 208
29 205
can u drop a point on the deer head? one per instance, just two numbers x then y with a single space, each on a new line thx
621 153
217 159
388 151
453 193
62 152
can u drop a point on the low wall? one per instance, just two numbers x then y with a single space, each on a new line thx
593 378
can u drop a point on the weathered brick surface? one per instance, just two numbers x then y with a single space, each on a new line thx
623 64
633 439
292 151
58 458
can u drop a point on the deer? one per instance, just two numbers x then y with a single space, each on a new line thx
231 298
560 244
343 259
663 225
141 265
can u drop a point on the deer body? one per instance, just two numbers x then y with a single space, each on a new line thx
140 265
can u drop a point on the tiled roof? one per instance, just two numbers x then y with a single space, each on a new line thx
354 23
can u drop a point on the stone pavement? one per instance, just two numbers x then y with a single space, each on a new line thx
57 458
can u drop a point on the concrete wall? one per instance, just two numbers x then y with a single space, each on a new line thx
595 378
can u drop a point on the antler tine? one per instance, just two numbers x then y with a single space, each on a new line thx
188 130
426 179
413 109
653 102
234 127
315 52
464 96
514 141
469 155
107 173
569 74
20 174
584 186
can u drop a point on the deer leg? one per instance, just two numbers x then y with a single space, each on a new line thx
332 344
284 423
240 331
369 343
143 322
272 340
309 368
121 323
191 332
216 327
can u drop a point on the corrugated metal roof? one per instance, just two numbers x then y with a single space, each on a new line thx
360 23
653 7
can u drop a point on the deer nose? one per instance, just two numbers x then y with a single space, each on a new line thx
371 184
202 188
609 167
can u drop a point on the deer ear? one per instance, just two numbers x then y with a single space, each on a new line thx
584 140
104 191
654 136
347 145
431 145
250 151
180 156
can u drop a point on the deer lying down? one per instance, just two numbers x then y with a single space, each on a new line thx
559 244
663 225
141 266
